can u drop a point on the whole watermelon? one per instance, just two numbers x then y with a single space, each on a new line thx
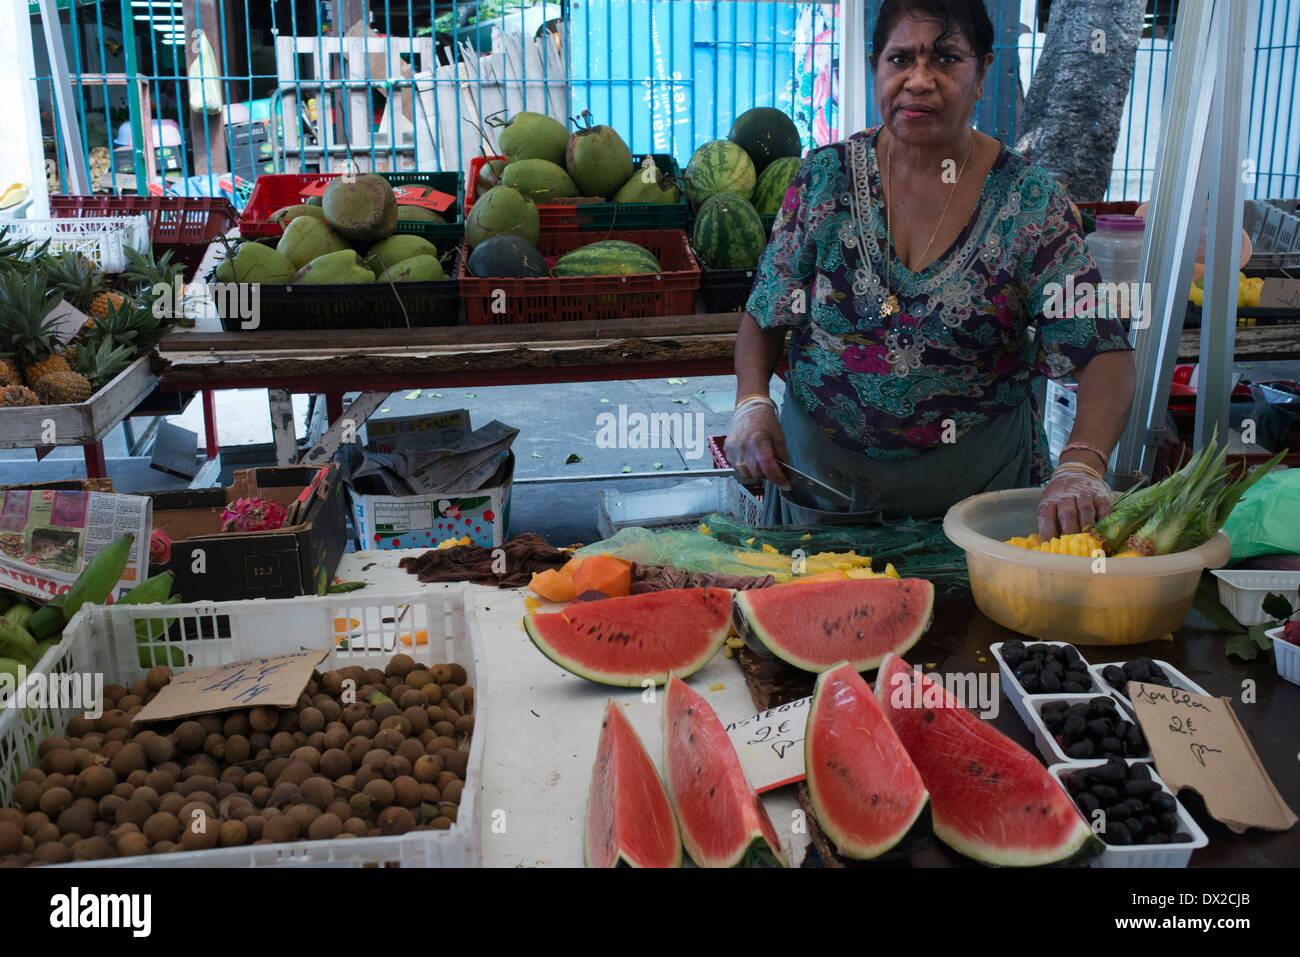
766 134
507 255
609 257
728 233
719 167
773 183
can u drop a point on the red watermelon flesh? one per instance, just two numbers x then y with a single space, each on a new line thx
990 799
629 820
819 624
866 792
628 641
722 820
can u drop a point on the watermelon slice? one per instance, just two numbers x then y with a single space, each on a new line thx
628 641
723 822
629 820
820 624
990 798
866 792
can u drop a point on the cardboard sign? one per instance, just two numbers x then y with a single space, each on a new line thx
1279 294
770 744
315 189
1198 743
272 682
417 196
68 320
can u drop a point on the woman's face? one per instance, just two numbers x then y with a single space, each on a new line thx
925 96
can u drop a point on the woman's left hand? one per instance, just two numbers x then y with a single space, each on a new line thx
1072 501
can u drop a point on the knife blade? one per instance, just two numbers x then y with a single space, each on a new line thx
813 485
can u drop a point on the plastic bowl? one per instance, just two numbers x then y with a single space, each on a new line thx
1087 601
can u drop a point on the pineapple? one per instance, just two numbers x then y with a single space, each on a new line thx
101 305
102 364
9 374
63 388
130 325
142 274
26 331
76 279
16 396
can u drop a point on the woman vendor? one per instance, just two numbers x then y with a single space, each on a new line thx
913 266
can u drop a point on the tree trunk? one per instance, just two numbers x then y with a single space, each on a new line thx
1070 123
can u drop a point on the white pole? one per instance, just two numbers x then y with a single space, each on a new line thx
78 173
853 73
22 159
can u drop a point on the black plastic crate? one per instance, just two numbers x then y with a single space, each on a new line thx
352 305
726 290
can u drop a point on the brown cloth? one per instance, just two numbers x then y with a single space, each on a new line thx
524 555
647 578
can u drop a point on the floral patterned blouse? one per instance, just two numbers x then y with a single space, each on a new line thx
971 336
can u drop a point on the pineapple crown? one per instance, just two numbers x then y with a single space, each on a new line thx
127 324
103 362
142 272
26 331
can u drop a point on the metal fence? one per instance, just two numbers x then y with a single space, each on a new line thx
297 86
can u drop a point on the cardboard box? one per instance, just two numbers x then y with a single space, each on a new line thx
297 559
422 521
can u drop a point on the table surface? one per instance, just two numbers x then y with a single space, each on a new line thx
543 723
308 360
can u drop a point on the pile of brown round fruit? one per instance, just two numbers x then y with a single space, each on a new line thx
364 753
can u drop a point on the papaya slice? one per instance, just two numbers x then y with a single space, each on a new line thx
553 585
833 575
603 573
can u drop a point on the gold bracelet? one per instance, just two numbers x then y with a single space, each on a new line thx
754 397
1077 467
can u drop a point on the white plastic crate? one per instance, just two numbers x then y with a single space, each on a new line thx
1242 591
1142 855
102 240
681 506
103 639
1287 656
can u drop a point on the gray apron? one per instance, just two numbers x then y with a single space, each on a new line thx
989 457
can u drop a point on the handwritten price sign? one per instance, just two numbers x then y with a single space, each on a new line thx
1198 743
274 681
770 744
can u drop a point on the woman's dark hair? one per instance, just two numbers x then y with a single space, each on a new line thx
966 18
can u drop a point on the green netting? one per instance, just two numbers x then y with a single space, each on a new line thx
917 549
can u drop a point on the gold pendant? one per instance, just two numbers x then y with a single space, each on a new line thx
889 307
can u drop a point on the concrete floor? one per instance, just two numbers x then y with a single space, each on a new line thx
555 421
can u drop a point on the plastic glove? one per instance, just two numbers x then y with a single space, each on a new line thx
1071 502
754 443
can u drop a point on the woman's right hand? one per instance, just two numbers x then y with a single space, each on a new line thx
754 443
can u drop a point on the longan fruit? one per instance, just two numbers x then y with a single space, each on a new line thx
54 801
189 736
395 820
455 761
203 840
134 811
331 683
317 791
60 761
281 829
453 791
215 745
253 779
264 720
296 772
396 722
416 718
132 844
282 743
324 828
389 739
162 827
309 754
366 728
236 723
27 795
411 750
385 710
406 791
310 720
355 826
335 763
465 724
158 677
132 757
159 750
427 768
52 852
171 803
254 824
380 792
11 838
148 794
304 814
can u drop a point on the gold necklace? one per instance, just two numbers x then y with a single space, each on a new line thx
890 306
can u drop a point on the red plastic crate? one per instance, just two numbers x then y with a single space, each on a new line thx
181 225
717 447
565 299
598 216
274 190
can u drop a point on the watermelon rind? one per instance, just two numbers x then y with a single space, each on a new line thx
703 775
814 597
678 607
1078 845
634 779
773 183
837 690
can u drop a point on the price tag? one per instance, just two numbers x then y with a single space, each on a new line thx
417 196
275 681
770 744
316 188
1198 743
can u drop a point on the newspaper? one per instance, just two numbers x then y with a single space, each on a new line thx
423 463
384 435
47 537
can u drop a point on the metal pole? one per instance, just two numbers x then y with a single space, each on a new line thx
132 59
1173 229
853 68
1223 238
78 170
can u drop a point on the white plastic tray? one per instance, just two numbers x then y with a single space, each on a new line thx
1142 855
1287 656
1016 694
1047 744
680 506
1179 680
103 639
1242 591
